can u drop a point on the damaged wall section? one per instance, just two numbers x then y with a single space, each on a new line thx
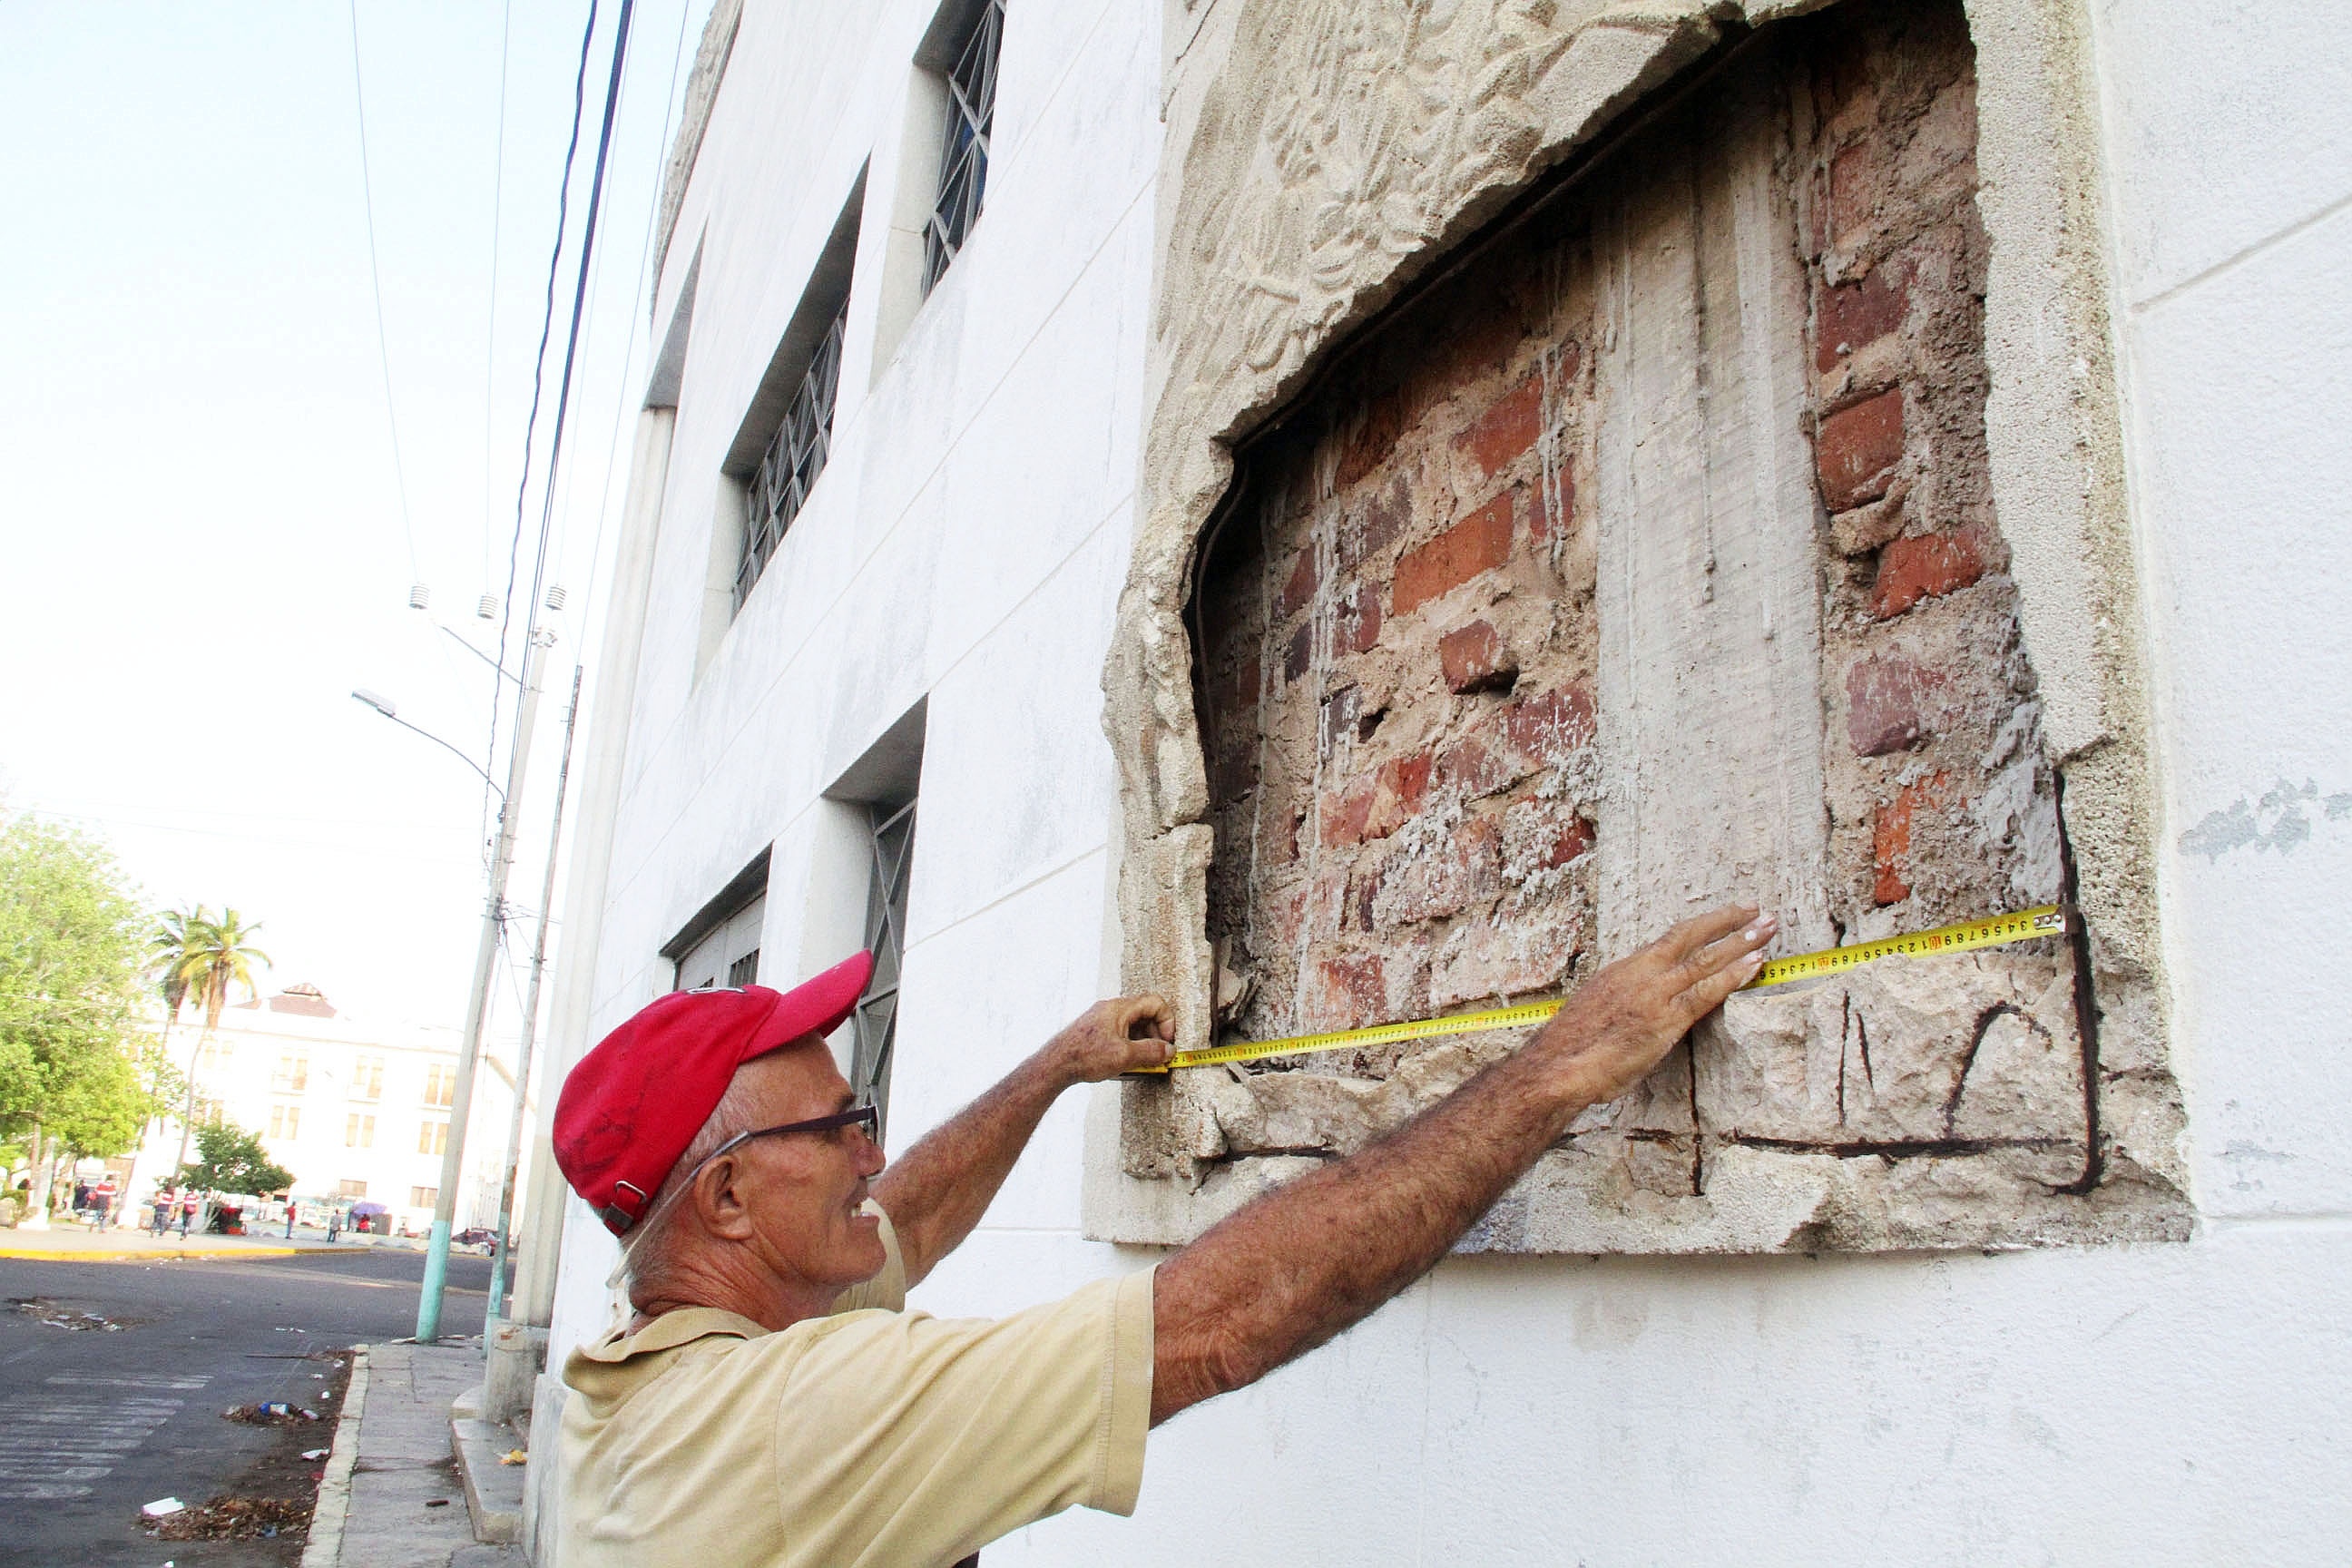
1651 559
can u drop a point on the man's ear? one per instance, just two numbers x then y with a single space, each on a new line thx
721 1200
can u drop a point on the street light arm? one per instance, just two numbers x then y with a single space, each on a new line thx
443 745
478 653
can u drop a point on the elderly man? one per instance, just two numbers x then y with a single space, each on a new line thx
772 1403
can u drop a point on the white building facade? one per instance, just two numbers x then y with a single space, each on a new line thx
903 451
357 1112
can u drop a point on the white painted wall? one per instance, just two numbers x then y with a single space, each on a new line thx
2151 1405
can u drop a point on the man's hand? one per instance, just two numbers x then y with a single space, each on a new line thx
937 1190
1623 1021
1126 1034
1290 1269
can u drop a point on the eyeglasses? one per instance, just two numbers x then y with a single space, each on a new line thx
863 1117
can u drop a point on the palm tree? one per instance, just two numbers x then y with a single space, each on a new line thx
170 945
220 954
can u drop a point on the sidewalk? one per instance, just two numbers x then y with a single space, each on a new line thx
72 1243
393 1496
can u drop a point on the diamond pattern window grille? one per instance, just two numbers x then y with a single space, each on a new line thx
877 1018
964 160
793 460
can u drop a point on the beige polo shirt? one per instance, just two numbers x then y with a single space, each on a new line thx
872 1436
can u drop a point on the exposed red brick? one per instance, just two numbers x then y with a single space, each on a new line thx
1883 699
1340 819
1540 522
1857 449
1569 844
1299 591
1923 566
1855 315
1347 991
1373 440
1499 958
1300 657
1477 764
1442 881
1550 725
1398 787
1357 626
1890 835
1326 903
1534 731
1241 694
1849 193
1508 428
1381 525
1474 659
1479 542
1539 834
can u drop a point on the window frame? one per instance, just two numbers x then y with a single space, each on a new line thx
961 189
794 459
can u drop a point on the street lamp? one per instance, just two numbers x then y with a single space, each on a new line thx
385 706
445 1207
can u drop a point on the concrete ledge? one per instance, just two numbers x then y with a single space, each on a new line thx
325 1544
493 1491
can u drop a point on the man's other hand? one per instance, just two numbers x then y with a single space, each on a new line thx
1126 1034
1623 1022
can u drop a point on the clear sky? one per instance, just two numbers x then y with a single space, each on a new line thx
202 538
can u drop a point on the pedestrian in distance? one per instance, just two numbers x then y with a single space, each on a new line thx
159 1218
101 1202
334 1225
188 1202
290 1219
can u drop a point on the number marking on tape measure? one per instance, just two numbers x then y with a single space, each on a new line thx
1993 932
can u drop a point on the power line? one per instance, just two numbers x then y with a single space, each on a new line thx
579 303
539 362
490 344
644 255
375 277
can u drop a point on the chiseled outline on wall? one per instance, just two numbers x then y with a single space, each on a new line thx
1321 154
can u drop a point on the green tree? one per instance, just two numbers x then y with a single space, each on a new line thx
72 1077
231 1160
218 955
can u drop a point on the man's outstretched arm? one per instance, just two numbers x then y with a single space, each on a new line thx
1288 1271
937 1190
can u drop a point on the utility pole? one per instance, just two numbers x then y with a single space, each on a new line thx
477 1006
531 1015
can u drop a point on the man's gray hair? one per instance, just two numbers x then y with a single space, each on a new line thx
652 1255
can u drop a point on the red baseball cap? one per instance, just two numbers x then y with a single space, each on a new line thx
633 1104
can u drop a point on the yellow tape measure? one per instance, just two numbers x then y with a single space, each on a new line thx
1992 931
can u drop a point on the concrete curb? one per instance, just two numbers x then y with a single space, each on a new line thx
325 1542
493 1491
135 1255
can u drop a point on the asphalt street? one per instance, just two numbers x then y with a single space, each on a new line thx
94 1423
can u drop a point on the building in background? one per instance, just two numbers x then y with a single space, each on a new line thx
1879 455
359 1113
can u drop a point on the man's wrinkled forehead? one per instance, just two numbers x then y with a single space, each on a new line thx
796 1080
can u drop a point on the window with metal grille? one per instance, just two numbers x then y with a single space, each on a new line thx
351 1189
963 157
424 1197
744 970
793 459
892 836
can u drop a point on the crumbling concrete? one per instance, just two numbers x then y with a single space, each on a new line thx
1653 556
